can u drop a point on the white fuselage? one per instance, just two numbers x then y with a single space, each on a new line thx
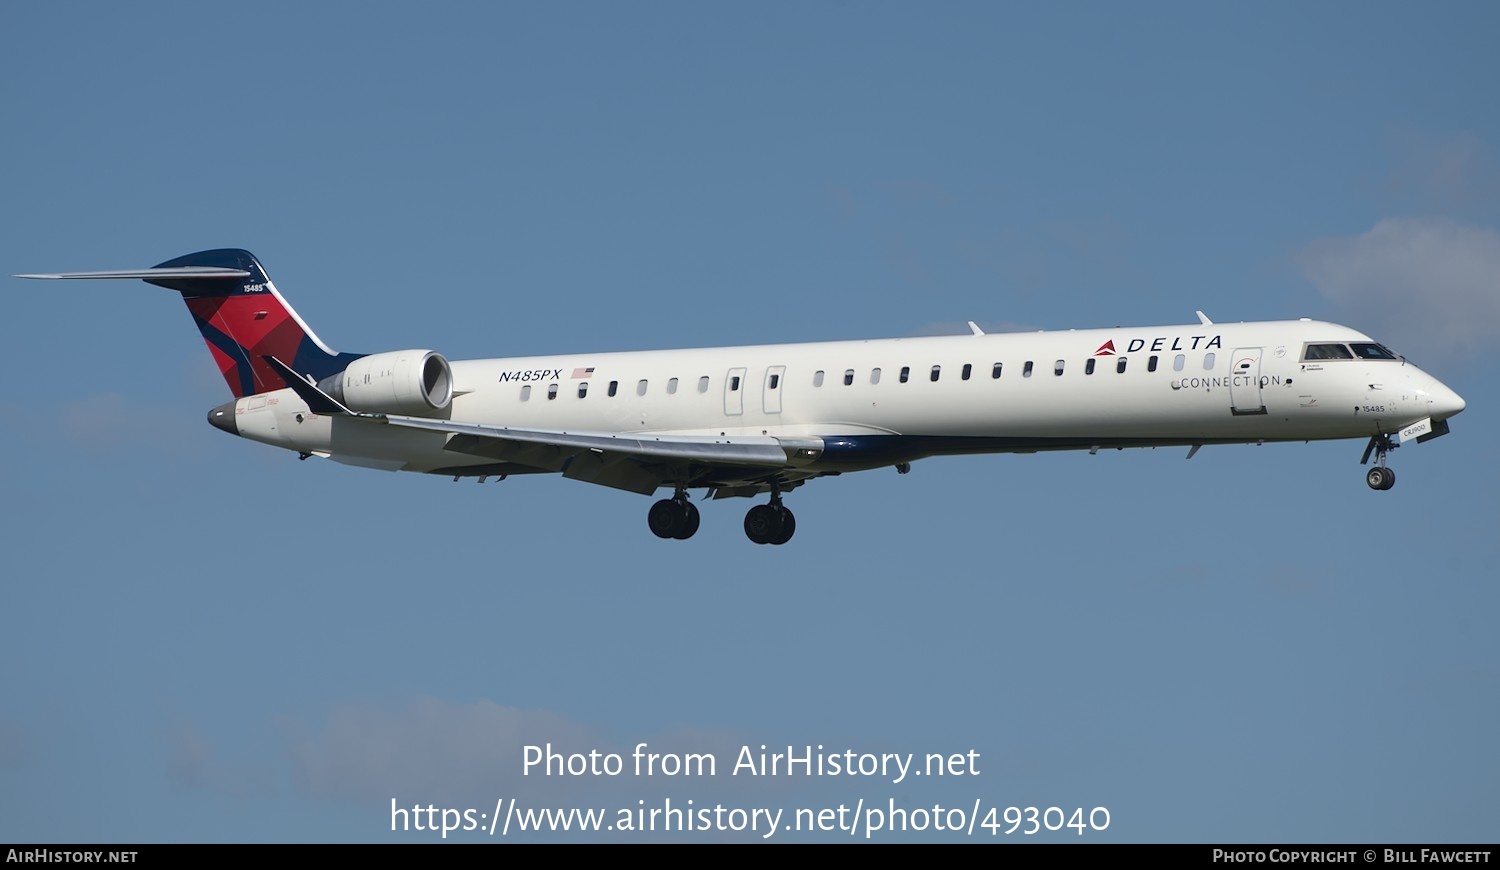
893 400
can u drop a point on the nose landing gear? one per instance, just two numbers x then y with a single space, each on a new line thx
1380 477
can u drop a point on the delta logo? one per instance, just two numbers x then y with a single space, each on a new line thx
1160 343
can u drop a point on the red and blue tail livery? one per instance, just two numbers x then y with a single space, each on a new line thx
244 320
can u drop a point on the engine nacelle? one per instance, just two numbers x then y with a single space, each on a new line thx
417 383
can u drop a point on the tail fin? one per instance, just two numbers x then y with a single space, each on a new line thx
241 316
244 320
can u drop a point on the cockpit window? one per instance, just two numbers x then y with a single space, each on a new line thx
1371 350
1327 351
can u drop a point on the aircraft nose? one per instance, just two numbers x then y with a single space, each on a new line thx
222 418
1444 402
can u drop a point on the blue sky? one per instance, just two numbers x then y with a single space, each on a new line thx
208 641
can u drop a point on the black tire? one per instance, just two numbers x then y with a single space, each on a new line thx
666 518
1379 478
761 524
690 521
788 527
1390 479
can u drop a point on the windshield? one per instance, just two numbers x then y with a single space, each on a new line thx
1327 351
1371 350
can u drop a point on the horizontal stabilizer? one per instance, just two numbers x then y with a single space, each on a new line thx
150 274
241 317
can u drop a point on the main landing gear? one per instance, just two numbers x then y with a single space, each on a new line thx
770 523
1380 477
674 517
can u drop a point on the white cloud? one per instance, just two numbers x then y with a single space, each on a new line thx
429 751
439 752
432 751
105 423
196 762
1429 287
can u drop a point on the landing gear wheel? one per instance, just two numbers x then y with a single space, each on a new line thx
689 521
1379 477
769 524
673 518
788 527
761 524
665 518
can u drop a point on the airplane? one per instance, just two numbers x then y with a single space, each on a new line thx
763 420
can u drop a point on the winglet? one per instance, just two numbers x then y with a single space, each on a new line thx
1203 319
975 327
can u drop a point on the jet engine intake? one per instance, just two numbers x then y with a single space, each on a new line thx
417 383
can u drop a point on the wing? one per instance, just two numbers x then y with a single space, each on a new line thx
732 465
636 462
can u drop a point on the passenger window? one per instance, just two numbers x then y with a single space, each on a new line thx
640 387
1208 362
1151 363
875 376
614 387
1026 370
526 393
1120 365
995 372
905 374
734 383
936 371
1088 367
848 377
583 389
775 381
672 386
968 370
818 378
1057 368
1177 362
703 384
551 391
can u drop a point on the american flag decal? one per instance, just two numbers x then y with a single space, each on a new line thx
583 373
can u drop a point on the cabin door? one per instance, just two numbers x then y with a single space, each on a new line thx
771 393
1244 381
734 393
